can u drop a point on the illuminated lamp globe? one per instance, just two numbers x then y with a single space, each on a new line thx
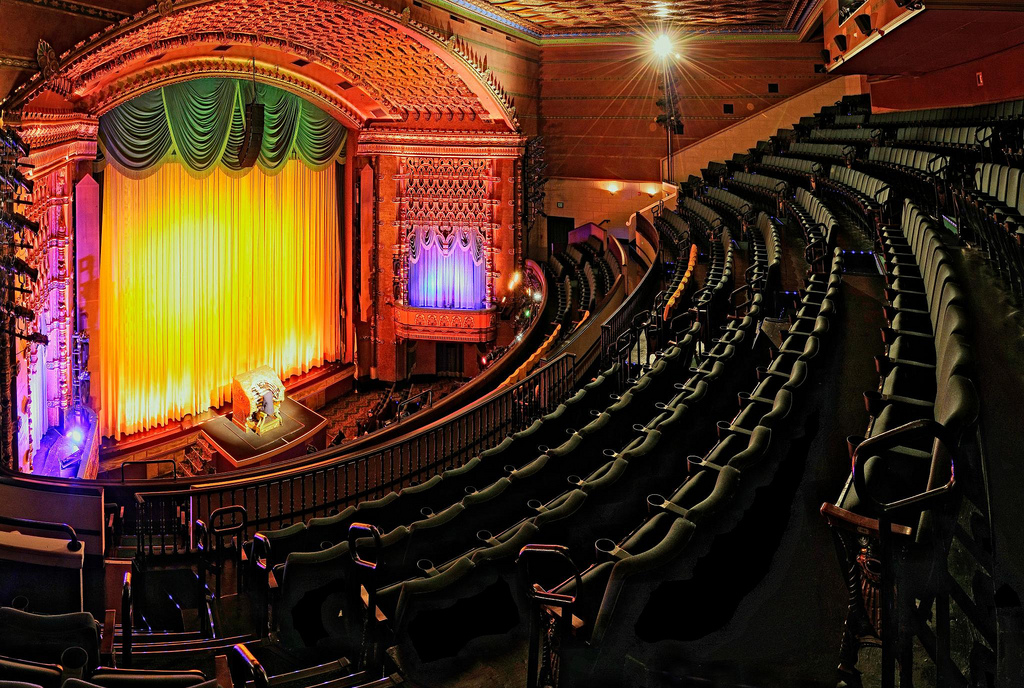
663 46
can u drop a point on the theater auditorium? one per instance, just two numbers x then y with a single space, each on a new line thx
511 343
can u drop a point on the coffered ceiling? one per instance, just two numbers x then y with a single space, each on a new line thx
548 17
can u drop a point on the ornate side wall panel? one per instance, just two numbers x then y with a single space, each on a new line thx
59 144
439 191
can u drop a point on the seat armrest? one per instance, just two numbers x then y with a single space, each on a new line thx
841 518
107 639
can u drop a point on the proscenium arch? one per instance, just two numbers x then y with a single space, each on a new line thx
367 63
147 80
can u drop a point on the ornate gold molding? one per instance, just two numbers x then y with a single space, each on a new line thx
435 142
171 26
126 88
445 325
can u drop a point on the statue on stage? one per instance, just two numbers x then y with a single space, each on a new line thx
256 399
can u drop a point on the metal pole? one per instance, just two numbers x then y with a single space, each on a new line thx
670 101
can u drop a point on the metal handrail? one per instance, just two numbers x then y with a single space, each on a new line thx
73 546
428 393
151 462
275 498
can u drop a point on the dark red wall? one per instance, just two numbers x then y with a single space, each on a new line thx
598 101
1001 75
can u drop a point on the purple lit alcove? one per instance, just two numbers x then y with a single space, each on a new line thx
452 276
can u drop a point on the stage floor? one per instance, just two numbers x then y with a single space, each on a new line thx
301 426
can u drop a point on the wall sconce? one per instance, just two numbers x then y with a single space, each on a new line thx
613 188
651 191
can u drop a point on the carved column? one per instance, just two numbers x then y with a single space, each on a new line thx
59 143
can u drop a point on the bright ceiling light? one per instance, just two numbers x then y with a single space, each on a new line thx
663 46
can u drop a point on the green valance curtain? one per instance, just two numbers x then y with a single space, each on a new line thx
200 124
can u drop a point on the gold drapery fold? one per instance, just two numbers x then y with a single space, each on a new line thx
203 279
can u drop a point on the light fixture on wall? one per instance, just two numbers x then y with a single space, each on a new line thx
863 22
613 188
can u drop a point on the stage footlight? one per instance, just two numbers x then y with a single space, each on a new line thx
18 223
17 265
663 46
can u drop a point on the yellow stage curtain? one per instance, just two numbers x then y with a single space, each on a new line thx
203 279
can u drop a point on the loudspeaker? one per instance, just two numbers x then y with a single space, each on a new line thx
826 56
678 129
252 138
841 42
863 23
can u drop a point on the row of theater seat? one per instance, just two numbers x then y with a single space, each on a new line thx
703 219
816 221
616 593
849 121
712 368
526 367
456 531
794 167
608 496
713 296
557 267
672 226
905 466
926 163
764 275
69 651
867 194
846 135
758 184
594 251
955 138
677 290
1008 111
994 211
563 306
315 549
682 283
729 203
588 287
822 151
